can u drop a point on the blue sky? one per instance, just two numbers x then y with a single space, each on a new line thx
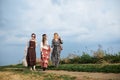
80 23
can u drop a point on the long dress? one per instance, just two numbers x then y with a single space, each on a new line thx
55 55
45 54
31 54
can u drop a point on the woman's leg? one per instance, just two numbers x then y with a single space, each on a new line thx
58 59
31 68
34 68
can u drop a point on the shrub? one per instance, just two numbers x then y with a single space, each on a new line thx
85 58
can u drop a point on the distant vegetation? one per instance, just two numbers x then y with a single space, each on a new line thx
98 57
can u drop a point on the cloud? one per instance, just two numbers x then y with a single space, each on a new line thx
81 20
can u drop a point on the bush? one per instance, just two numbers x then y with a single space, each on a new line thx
100 56
108 68
85 58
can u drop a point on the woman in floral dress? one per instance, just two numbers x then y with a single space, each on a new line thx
45 52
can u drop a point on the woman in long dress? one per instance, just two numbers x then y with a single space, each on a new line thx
31 52
45 52
56 49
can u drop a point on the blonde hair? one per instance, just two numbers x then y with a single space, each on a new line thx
56 35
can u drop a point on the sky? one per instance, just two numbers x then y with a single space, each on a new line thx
82 25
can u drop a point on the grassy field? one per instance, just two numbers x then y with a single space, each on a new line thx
19 72
107 68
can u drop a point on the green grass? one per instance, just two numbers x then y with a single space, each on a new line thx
107 68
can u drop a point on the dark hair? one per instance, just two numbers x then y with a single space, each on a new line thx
44 38
33 35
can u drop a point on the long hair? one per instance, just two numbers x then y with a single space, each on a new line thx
58 38
44 38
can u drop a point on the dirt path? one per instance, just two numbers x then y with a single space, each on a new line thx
87 75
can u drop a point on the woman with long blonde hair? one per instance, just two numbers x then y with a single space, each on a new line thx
56 49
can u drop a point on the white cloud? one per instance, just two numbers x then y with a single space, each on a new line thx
83 20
